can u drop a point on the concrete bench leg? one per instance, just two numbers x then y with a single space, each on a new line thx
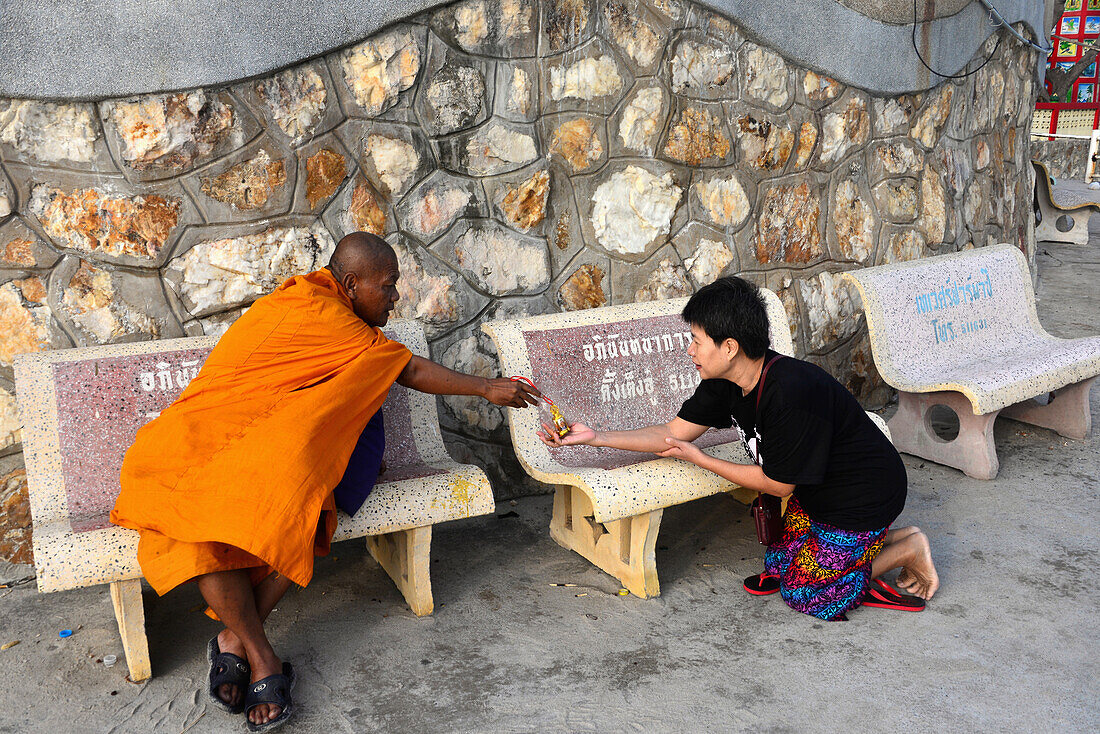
1067 413
405 555
972 451
1047 230
625 549
130 613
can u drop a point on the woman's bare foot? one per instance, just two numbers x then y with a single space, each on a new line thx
229 642
918 575
898 534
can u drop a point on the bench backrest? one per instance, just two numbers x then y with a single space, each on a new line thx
1045 192
81 409
945 311
613 368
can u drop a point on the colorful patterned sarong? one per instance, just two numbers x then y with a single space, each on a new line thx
823 570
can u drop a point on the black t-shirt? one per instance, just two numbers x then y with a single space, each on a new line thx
812 434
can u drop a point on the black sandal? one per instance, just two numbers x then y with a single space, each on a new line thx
226 669
274 689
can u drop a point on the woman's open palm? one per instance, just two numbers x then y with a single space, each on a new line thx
578 434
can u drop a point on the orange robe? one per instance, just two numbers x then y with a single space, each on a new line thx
239 471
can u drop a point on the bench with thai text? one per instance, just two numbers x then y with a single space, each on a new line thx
81 409
1058 222
616 368
961 331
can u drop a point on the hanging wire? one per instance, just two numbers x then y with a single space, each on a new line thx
952 76
1001 21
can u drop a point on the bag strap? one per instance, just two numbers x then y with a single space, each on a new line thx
760 385
760 391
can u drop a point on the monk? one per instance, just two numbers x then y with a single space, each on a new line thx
232 485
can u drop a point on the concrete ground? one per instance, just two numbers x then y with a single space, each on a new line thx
1009 644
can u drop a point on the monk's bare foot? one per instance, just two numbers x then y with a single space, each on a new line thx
261 669
919 576
229 642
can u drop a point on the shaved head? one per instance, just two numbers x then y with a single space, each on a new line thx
362 253
366 268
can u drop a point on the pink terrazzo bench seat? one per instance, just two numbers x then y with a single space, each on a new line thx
961 331
81 409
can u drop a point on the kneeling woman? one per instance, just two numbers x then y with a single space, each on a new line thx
813 442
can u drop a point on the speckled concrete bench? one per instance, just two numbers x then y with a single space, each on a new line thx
81 409
618 367
961 331
1075 219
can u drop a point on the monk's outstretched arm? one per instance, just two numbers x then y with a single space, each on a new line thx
431 377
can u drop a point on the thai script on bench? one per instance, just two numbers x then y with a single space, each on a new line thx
954 294
631 384
616 348
944 331
165 378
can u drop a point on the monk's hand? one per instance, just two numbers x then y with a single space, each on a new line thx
678 449
510 393
578 434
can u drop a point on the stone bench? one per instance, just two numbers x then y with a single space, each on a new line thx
1075 219
616 368
961 331
81 409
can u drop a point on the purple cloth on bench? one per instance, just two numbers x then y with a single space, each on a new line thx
362 472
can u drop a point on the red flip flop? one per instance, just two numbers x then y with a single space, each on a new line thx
887 589
762 584
884 597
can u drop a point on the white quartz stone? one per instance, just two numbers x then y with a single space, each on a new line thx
632 208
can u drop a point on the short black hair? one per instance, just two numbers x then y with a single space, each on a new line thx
731 308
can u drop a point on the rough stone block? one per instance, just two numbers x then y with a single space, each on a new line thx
103 306
589 80
431 292
498 147
495 260
454 92
566 24
637 127
766 79
788 228
578 142
393 156
323 167
517 91
697 136
109 220
373 74
702 67
498 28
632 209
218 269
23 249
253 183
438 202
298 104
67 135
162 135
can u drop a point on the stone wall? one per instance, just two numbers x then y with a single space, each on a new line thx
521 158
1063 158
